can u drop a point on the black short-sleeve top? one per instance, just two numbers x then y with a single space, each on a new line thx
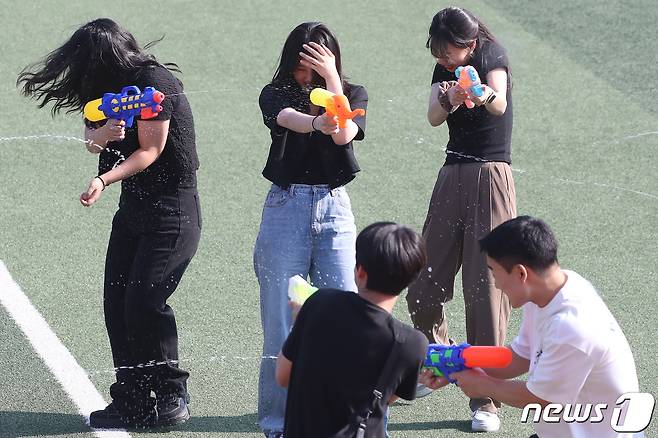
177 165
476 134
349 353
307 158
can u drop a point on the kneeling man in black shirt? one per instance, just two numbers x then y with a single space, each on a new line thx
335 355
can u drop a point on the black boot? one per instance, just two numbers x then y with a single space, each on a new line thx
172 410
112 418
108 418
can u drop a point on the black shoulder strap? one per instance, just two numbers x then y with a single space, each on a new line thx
386 375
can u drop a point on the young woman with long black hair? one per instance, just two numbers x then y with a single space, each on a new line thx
156 230
307 227
474 191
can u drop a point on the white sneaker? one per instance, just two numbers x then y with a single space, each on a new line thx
422 390
484 421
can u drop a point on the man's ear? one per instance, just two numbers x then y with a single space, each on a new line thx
521 272
361 274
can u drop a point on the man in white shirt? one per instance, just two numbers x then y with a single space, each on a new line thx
569 343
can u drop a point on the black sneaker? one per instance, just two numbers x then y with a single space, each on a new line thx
172 411
111 418
108 418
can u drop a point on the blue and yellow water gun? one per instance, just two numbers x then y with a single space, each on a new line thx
126 105
444 360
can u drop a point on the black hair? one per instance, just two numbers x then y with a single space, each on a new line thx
458 27
100 57
303 34
391 254
521 241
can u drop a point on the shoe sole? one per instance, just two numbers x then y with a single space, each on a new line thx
424 392
479 428
101 425
114 426
173 421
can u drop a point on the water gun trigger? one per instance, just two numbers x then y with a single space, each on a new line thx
148 113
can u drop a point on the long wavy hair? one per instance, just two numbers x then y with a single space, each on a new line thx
100 57
303 34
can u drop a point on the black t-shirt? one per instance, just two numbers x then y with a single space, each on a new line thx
476 132
177 165
338 346
311 158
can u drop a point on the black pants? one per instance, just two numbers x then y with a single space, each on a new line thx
149 250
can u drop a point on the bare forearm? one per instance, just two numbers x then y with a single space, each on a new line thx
334 85
498 106
346 134
436 114
516 368
135 163
504 373
295 121
497 83
511 392
95 140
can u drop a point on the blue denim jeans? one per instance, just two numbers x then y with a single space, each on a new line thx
307 231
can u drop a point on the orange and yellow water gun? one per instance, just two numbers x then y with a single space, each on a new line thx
336 105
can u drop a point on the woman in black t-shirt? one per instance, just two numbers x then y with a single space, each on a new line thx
307 227
474 191
156 230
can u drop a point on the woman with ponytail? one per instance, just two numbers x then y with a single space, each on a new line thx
474 191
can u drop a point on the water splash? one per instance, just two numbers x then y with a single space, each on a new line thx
209 359
68 138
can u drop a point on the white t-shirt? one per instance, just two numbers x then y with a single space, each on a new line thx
578 354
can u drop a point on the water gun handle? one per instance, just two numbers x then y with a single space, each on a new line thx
131 90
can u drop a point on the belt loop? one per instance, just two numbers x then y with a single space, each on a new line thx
332 192
291 190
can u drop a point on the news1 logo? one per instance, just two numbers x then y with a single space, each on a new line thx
637 406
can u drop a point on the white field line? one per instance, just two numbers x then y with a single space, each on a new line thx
56 356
